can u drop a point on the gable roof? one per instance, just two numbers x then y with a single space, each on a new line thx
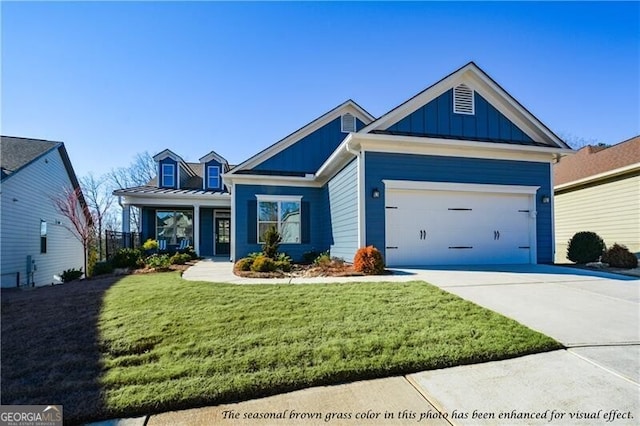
214 156
347 106
593 162
16 153
479 81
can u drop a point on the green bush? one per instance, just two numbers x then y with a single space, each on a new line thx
585 247
323 259
619 256
126 258
158 261
102 268
71 274
180 258
283 265
368 260
190 252
263 264
272 241
150 244
92 258
244 264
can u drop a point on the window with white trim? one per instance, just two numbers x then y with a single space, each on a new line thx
174 226
281 212
213 177
168 175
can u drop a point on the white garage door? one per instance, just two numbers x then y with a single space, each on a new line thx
440 227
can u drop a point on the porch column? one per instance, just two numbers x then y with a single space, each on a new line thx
126 222
196 228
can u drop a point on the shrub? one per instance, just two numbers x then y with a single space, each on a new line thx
126 258
585 247
158 261
323 259
180 258
368 260
272 241
263 264
309 256
91 260
253 256
283 265
190 252
101 268
244 264
150 245
619 256
71 274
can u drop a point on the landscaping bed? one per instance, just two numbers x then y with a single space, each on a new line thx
143 344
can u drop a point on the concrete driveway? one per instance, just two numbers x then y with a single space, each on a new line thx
594 381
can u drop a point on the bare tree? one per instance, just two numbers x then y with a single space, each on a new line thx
71 204
99 199
138 173
577 142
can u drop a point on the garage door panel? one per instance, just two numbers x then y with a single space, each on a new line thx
456 227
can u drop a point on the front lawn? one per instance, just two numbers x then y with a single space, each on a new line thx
161 343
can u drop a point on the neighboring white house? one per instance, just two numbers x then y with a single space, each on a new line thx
598 190
34 242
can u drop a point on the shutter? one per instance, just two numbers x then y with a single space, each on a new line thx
252 222
305 222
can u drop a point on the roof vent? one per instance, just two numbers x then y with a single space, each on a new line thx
463 102
348 123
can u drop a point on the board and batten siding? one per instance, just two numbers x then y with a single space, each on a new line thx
343 212
26 200
612 210
379 166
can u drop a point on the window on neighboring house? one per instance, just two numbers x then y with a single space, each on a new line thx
43 236
213 177
173 226
168 175
281 212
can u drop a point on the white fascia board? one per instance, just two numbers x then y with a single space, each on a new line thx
456 148
205 200
283 144
167 153
599 176
213 156
339 158
451 186
308 180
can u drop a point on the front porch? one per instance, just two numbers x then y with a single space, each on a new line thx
200 219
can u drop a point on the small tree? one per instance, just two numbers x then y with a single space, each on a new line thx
272 241
71 204
585 247
99 199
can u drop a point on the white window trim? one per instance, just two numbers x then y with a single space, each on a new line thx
216 173
173 173
277 199
174 211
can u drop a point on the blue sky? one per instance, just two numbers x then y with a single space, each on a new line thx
117 78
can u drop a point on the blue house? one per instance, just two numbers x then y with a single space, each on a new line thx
461 173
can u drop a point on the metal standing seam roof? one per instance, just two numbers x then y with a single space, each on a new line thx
154 190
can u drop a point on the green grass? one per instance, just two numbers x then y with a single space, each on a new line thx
172 343
164 343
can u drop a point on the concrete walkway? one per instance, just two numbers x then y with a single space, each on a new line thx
595 381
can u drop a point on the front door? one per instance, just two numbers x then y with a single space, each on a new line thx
223 236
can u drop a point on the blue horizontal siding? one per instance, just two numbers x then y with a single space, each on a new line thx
379 166
343 212
308 154
437 119
245 195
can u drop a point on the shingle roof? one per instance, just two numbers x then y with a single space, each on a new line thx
15 153
594 160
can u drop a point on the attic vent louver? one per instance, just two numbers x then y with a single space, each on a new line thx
348 123
463 102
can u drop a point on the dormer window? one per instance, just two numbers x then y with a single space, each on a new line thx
213 177
168 175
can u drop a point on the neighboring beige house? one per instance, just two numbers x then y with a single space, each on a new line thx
598 189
